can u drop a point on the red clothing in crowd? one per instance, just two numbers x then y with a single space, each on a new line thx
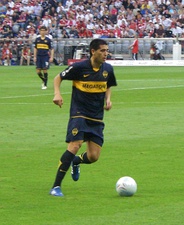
6 53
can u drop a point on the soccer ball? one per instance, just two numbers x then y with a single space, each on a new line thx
126 186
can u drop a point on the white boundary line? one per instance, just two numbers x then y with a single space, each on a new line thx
27 96
147 88
121 89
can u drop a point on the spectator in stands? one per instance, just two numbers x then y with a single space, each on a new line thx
3 9
46 20
130 33
53 4
15 17
32 36
129 15
118 4
160 32
6 55
113 14
45 7
117 32
22 19
64 34
121 21
9 11
84 33
6 30
166 22
90 25
176 30
11 3
168 33
145 7
88 15
73 33
25 55
60 8
133 25
111 34
37 10
23 33
63 22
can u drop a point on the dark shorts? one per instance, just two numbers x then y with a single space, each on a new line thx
86 130
42 62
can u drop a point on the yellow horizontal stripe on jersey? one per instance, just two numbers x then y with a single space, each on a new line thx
42 46
91 86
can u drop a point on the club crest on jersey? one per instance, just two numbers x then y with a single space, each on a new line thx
105 73
74 131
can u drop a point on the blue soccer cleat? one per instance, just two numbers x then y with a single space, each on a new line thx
75 171
56 191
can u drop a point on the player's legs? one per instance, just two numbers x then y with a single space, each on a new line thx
39 68
93 151
45 74
65 162
91 155
38 71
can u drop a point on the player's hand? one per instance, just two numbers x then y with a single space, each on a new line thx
51 60
58 100
108 105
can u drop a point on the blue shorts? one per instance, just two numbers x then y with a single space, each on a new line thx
42 62
86 130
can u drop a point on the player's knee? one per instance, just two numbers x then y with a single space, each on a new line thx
93 158
74 146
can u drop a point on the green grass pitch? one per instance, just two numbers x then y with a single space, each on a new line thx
144 139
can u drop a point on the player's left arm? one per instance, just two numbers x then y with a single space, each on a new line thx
108 103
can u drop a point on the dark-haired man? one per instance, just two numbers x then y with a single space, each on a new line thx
91 94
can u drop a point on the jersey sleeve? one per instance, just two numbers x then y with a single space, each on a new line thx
112 79
70 73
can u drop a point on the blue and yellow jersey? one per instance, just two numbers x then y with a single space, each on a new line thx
89 88
43 46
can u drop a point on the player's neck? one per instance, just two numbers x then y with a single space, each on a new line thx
95 64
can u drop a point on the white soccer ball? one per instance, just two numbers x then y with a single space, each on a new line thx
126 186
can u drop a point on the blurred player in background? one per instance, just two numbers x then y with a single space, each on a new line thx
43 55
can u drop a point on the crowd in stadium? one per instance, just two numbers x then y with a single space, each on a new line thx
92 18
20 20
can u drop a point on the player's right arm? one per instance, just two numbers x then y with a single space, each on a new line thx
58 100
35 54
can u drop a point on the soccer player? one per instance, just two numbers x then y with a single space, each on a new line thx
43 55
91 94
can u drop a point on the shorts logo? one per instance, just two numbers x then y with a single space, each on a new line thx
75 131
105 74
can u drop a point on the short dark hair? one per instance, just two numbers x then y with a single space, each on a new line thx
95 44
43 28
